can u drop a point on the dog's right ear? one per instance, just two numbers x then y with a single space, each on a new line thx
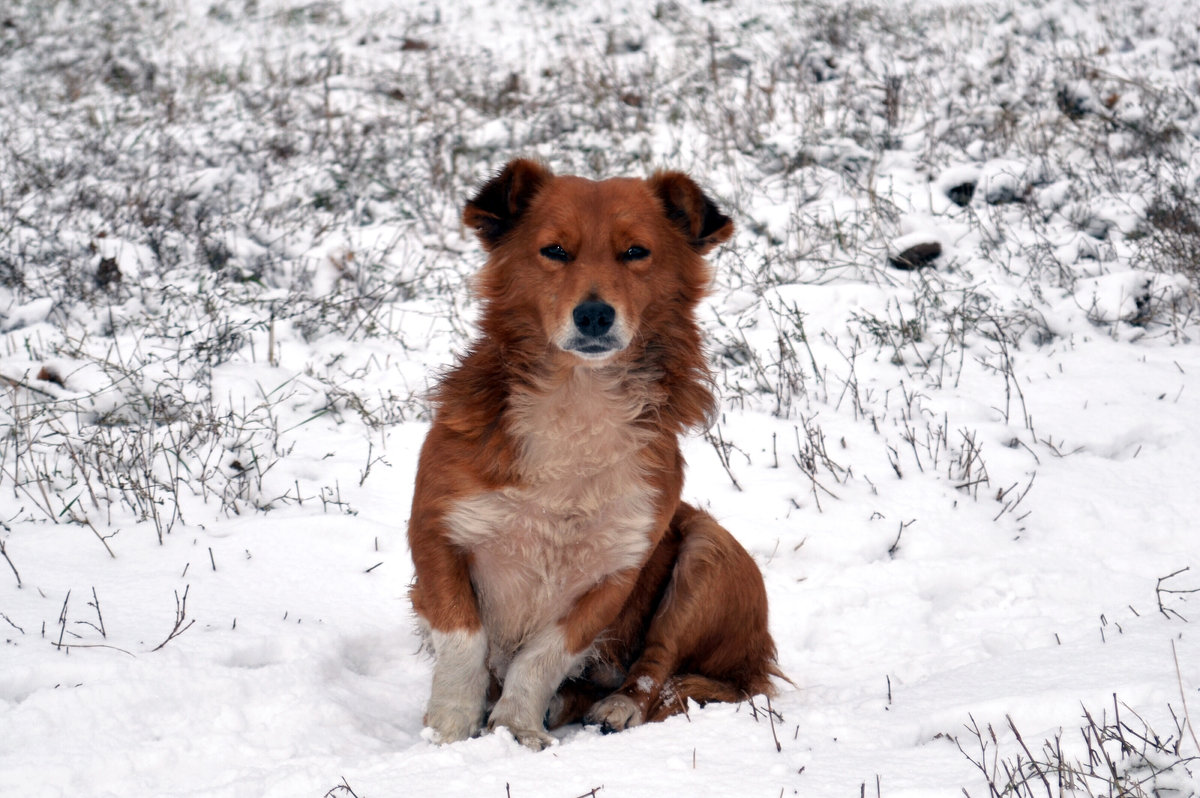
498 205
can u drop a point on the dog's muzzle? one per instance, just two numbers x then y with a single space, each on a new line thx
594 334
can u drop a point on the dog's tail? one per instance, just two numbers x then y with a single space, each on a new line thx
681 688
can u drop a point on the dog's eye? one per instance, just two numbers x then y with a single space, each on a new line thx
555 252
635 253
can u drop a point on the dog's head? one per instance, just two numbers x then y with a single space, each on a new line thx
591 267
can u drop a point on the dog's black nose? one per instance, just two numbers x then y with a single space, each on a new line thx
594 318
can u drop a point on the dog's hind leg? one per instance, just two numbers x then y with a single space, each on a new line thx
572 701
708 638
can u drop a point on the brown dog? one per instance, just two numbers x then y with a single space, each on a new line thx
556 568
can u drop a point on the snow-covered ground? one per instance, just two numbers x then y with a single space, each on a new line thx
230 265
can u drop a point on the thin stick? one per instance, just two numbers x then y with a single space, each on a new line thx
69 646
180 617
1186 717
99 617
345 785
4 552
1159 590
771 717
719 446
103 540
62 621
1032 761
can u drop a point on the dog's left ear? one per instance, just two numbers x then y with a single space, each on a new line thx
499 204
690 209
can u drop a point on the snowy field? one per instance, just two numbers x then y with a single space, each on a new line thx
231 263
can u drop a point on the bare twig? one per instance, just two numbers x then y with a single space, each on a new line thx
11 623
722 449
62 621
102 538
895 547
4 552
1186 715
1159 591
343 787
771 718
99 617
69 646
180 616
1028 753
591 793
1120 760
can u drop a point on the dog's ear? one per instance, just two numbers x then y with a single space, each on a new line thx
690 209
498 205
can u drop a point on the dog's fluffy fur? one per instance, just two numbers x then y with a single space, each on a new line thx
558 574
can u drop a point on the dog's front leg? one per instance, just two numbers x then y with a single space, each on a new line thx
460 682
445 602
549 657
532 679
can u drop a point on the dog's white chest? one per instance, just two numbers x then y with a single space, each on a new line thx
583 512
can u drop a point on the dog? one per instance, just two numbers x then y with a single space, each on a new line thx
558 576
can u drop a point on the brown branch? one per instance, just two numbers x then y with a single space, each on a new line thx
1186 716
4 552
180 617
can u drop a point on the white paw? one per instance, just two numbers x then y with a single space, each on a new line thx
533 739
528 731
615 713
451 723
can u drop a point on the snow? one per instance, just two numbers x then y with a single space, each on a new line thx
968 487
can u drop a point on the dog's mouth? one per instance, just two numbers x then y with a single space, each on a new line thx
594 348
